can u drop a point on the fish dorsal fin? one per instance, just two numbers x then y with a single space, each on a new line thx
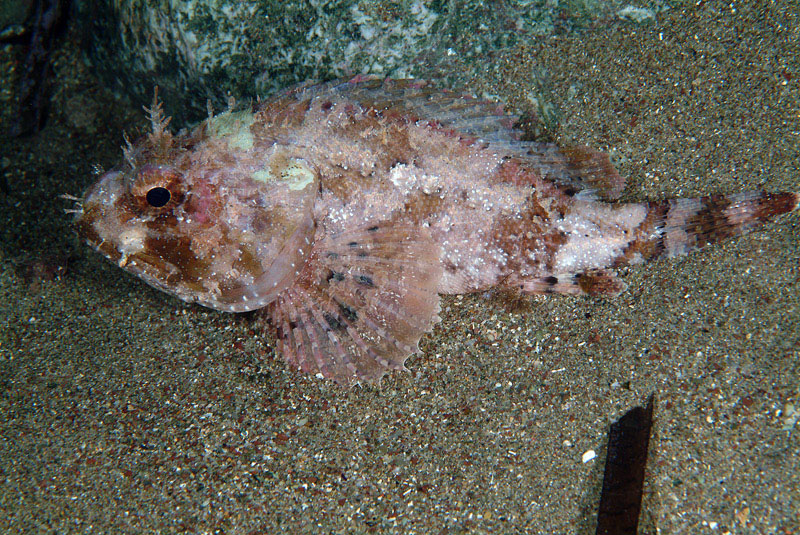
467 115
361 304
591 171
576 169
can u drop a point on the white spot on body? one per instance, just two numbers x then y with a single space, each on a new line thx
676 239
403 177
596 236
131 241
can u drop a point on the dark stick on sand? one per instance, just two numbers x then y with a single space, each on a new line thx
623 478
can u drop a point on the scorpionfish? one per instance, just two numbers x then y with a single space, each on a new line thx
342 210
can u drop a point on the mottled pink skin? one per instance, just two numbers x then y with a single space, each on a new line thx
343 209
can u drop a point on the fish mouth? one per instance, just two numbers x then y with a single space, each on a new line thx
132 250
87 231
156 272
90 211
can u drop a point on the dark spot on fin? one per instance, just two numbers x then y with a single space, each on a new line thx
348 312
549 284
334 276
334 323
594 282
364 280
569 191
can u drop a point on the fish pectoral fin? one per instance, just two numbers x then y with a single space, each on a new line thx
361 304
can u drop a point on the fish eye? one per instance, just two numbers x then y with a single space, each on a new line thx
158 196
155 188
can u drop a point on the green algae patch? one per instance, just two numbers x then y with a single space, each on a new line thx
235 126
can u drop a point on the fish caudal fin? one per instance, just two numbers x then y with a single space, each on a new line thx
679 226
607 236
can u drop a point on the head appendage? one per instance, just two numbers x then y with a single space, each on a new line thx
128 150
160 138
210 109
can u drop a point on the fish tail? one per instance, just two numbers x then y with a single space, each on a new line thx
678 226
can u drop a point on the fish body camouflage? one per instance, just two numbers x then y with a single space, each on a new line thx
342 211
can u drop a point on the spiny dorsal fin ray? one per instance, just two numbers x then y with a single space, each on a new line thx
361 304
420 100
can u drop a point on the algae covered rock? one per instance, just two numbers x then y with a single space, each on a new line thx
196 50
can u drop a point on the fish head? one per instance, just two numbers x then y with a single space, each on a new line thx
210 216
